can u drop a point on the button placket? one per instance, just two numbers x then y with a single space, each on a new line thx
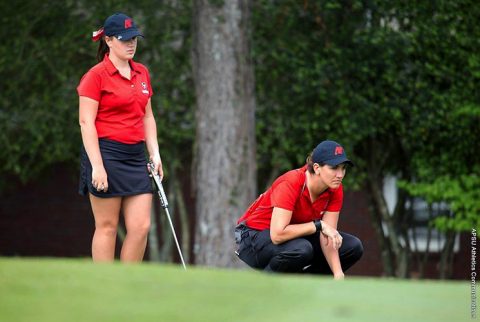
133 80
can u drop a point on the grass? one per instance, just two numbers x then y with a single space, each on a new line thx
78 290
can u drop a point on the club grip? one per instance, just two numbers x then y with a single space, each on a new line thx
163 197
158 183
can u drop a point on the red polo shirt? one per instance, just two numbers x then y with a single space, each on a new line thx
290 192
121 101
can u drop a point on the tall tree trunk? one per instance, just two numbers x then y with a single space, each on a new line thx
424 258
153 242
225 140
387 255
446 257
166 252
184 219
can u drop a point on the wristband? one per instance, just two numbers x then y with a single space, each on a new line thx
318 225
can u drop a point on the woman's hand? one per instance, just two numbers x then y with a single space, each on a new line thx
99 178
157 162
339 276
331 234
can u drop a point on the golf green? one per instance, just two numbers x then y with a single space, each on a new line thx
40 290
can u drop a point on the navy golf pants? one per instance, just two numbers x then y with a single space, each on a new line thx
300 255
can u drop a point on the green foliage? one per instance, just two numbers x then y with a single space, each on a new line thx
38 75
462 194
166 52
393 81
217 3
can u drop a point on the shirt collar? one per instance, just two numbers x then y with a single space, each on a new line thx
111 69
305 191
134 66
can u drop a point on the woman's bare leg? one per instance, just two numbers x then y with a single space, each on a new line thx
136 210
106 212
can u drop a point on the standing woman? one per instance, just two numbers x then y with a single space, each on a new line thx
116 121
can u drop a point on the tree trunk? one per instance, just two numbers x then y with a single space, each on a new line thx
183 214
424 258
167 235
390 246
225 168
446 258
387 255
153 242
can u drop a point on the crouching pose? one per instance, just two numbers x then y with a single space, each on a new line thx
292 227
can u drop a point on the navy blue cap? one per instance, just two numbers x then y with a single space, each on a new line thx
121 26
331 153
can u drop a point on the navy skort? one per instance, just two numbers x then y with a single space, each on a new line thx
126 168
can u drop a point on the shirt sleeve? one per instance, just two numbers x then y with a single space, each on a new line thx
284 195
149 83
336 202
90 86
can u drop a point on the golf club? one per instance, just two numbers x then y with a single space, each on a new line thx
164 203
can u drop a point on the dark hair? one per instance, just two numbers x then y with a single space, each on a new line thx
310 163
102 49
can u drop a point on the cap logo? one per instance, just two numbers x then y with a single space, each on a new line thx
128 23
338 150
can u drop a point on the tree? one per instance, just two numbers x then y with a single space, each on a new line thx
225 139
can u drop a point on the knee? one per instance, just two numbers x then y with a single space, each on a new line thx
357 248
108 228
293 260
305 253
302 253
139 228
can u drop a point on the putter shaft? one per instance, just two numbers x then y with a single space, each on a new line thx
164 203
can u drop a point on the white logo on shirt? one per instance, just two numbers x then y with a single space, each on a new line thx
144 88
